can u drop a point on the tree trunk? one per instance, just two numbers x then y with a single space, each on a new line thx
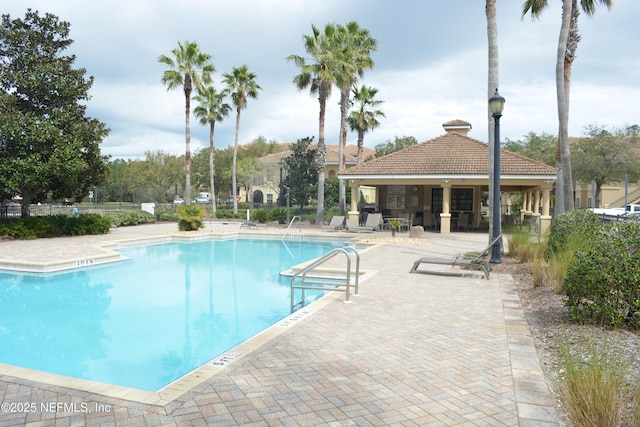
493 84
344 109
360 145
322 99
234 179
564 201
212 169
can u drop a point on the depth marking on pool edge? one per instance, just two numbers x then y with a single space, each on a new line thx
227 358
294 318
84 262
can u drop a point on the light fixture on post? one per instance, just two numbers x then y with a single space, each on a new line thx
280 201
496 105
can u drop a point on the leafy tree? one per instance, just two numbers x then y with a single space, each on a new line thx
605 156
365 117
211 108
242 85
48 146
301 169
397 145
187 68
353 46
537 147
260 147
567 45
317 74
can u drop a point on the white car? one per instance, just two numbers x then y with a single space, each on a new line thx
178 200
204 198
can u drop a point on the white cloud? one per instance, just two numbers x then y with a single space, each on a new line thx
430 67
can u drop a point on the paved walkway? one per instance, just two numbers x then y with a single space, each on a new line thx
411 350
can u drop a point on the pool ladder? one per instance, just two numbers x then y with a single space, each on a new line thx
294 236
326 283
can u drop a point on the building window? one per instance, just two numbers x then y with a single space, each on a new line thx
436 200
462 199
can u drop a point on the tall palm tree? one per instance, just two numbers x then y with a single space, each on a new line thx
567 45
241 84
365 117
354 46
187 68
317 74
211 108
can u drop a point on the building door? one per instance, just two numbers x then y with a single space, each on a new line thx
436 201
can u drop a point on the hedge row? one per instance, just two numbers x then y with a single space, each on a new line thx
54 226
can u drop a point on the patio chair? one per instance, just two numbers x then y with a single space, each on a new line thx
465 221
407 221
336 224
353 226
435 221
374 221
477 262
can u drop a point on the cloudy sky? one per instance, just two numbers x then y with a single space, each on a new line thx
431 66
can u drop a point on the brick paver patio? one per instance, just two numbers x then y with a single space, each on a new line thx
410 350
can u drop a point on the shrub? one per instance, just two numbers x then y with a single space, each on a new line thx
278 214
55 226
191 217
579 225
88 224
169 216
225 213
259 215
603 283
124 218
18 231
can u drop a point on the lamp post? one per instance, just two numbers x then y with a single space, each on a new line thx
496 105
281 164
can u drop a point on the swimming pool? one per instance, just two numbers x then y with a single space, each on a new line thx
151 319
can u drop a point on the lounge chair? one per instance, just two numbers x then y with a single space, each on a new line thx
374 221
477 262
251 224
336 224
353 226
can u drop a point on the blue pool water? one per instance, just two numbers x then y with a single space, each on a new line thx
148 320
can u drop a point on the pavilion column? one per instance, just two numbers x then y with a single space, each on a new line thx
545 219
536 202
353 212
507 202
445 216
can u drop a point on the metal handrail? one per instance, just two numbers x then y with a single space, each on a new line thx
327 286
291 223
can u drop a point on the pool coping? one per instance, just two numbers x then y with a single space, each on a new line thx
200 374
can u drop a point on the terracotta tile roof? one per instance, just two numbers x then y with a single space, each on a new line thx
449 154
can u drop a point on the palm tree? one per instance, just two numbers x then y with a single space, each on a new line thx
354 46
189 67
211 108
319 77
241 84
364 119
493 84
567 45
